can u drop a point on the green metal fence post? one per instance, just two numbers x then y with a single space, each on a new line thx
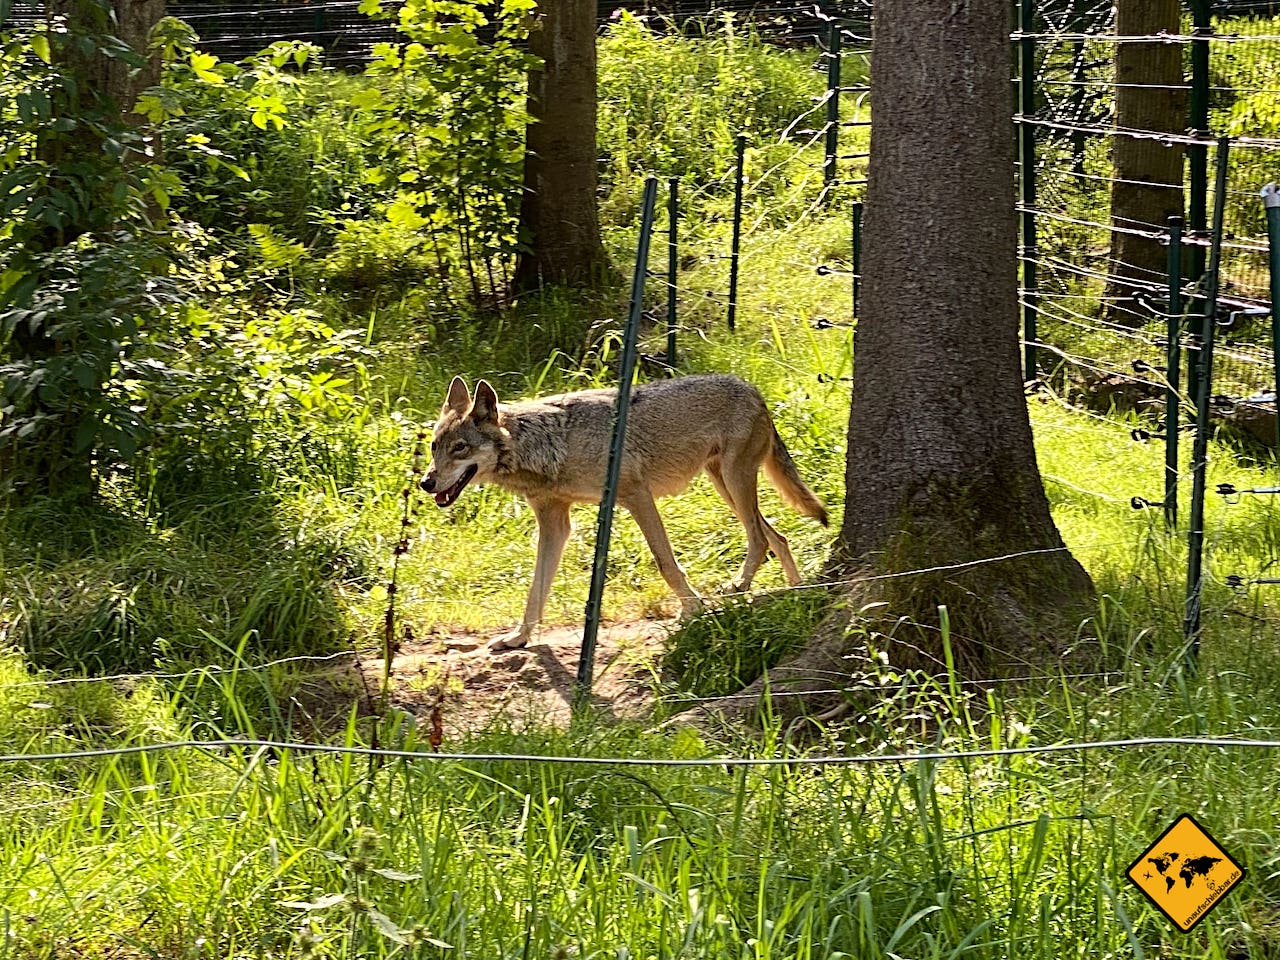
1173 374
1199 455
1271 201
739 162
1198 121
833 105
609 496
1027 184
857 255
673 264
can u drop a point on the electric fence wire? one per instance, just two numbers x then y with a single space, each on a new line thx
265 746
1169 139
1045 306
1148 38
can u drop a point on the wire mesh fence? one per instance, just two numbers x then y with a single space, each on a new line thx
1098 312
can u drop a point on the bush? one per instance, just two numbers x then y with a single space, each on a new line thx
672 106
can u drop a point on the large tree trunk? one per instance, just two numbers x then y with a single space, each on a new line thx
127 20
941 470
106 88
558 216
1146 188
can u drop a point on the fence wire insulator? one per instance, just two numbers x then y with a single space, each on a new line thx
1228 490
823 323
1141 366
1142 436
827 378
1142 298
1142 503
1223 402
1236 582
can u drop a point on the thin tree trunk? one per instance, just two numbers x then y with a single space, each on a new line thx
1146 188
558 216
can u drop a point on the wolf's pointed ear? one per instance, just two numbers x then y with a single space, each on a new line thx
485 405
458 399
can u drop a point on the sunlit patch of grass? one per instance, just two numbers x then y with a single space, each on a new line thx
246 851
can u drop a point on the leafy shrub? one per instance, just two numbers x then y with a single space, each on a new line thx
91 304
257 386
270 139
377 257
449 113
82 268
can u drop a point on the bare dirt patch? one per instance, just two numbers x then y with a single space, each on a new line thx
472 687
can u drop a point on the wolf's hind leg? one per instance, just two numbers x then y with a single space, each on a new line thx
736 481
779 547
645 511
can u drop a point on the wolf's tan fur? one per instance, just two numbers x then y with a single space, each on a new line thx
554 452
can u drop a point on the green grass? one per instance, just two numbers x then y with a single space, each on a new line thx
211 854
225 562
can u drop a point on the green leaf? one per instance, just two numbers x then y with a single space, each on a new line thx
320 903
387 927
86 433
368 99
203 64
40 45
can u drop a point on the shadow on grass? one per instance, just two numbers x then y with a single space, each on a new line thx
105 585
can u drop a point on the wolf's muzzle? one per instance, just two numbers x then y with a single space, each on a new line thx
446 496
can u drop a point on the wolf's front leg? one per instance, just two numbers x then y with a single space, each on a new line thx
553 534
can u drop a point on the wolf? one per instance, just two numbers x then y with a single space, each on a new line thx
554 451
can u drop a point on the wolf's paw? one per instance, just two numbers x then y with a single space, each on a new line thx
690 607
734 586
512 640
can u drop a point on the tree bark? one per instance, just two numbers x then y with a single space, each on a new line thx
941 471
113 84
559 221
1146 188
941 468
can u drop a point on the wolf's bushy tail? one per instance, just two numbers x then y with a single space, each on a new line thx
782 473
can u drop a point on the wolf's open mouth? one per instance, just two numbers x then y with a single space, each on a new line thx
446 497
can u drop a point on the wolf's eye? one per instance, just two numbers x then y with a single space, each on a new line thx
460 448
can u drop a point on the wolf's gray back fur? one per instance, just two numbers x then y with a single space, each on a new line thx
666 420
